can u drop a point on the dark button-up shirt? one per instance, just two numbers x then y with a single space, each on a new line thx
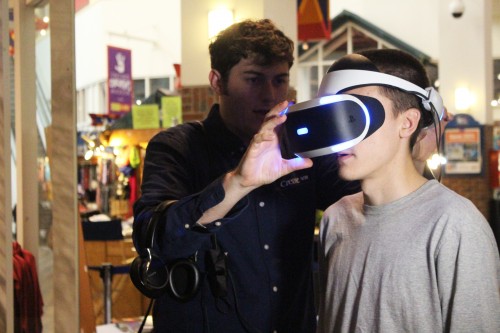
268 235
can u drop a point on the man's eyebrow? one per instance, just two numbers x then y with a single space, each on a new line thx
252 72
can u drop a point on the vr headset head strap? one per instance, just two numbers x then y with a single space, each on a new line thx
354 71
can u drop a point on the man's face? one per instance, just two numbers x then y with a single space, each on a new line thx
250 92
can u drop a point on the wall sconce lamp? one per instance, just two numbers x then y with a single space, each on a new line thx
464 99
219 19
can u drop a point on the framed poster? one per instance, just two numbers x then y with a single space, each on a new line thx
463 148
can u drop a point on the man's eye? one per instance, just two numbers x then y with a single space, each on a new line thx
282 81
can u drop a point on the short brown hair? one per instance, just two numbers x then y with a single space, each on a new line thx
407 67
260 39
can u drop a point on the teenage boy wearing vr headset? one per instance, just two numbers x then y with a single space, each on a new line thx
405 254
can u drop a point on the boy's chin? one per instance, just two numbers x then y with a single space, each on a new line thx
347 176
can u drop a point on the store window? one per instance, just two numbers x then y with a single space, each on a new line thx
496 84
155 84
90 100
139 90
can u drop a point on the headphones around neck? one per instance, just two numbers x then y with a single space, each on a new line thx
152 276
181 279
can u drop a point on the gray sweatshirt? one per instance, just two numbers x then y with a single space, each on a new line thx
427 262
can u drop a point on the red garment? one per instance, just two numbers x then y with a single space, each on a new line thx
28 303
132 182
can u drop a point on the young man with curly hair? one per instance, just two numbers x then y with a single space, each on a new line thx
260 206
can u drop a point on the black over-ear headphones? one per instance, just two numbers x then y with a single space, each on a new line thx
181 279
152 276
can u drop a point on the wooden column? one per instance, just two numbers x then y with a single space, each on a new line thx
6 287
62 157
25 126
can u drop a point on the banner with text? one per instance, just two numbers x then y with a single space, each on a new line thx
119 80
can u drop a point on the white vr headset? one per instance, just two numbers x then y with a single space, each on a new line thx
334 121
330 124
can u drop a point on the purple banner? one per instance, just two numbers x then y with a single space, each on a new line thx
119 80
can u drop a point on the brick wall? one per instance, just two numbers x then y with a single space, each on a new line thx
197 100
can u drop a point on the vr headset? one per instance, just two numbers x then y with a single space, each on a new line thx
331 124
335 121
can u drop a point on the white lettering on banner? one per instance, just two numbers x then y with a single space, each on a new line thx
120 83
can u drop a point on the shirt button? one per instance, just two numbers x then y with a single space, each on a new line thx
262 204
266 247
275 289
218 223
186 226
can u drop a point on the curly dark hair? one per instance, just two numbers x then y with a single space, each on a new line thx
260 39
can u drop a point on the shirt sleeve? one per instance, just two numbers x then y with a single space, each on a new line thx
170 173
468 277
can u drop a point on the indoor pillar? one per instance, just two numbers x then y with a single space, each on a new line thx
6 286
465 58
62 156
25 127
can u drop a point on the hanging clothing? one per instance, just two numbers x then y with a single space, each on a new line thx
28 303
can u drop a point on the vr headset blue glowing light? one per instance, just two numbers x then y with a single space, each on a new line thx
335 121
330 124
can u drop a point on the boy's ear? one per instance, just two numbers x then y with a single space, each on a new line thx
215 80
421 136
411 118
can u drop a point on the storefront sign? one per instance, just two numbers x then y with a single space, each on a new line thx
171 107
145 116
119 80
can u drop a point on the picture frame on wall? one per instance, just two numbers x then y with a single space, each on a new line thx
463 146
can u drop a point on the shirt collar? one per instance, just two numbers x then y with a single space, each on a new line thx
220 134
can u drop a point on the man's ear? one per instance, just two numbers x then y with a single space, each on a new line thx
411 117
215 80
